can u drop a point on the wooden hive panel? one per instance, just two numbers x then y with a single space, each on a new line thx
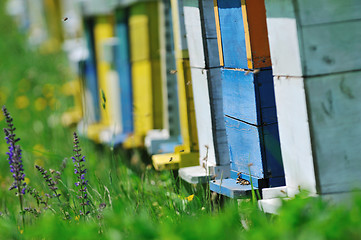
258 146
244 36
249 96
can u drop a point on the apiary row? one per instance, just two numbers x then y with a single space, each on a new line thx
230 92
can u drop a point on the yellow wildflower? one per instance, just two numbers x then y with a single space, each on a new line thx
77 218
38 149
40 104
22 102
27 180
190 198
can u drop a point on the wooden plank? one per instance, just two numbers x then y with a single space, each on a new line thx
254 17
201 34
209 115
332 48
332 11
284 46
218 29
249 96
294 134
230 188
254 145
203 116
244 143
316 48
243 27
334 115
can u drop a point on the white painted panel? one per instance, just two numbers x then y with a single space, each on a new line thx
203 116
114 101
294 134
194 34
284 47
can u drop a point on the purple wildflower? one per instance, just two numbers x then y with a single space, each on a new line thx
14 158
80 171
52 184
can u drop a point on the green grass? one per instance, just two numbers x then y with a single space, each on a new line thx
140 204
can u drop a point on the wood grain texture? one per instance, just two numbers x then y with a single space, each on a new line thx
209 115
244 34
203 116
258 146
332 48
201 34
218 29
334 114
248 96
332 11
326 43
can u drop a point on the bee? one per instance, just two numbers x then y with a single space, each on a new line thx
171 158
64 19
181 150
103 98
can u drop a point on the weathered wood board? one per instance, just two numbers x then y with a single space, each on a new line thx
317 43
249 96
294 134
243 27
201 34
334 115
254 145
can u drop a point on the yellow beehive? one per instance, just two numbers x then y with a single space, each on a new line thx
103 30
146 76
186 154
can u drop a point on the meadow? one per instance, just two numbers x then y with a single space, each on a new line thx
127 198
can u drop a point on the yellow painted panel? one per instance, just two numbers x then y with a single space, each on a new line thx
170 161
139 37
246 35
218 29
144 31
142 97
103 30
186 106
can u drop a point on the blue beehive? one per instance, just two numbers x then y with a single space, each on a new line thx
248 97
